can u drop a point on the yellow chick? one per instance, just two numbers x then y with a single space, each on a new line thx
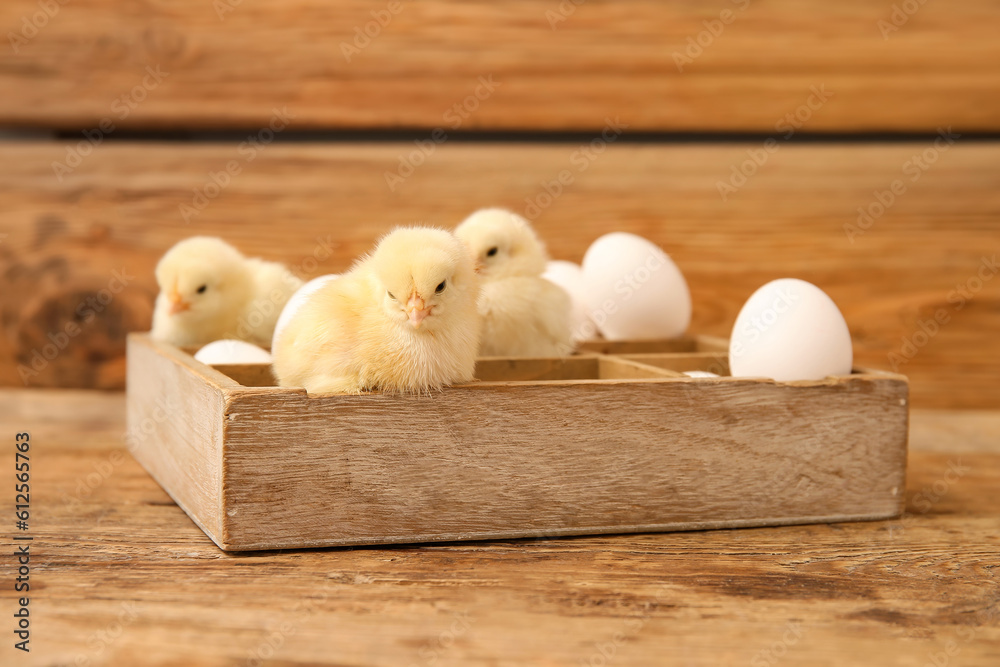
403 320
524 315
209 291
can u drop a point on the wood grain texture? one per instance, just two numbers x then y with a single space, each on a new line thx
665 468
713 362
249 375
319 207
622 447
891 593
502 369
175 427
606 59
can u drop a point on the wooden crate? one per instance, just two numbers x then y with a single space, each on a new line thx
608 441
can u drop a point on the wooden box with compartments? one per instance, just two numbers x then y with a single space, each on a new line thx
616 439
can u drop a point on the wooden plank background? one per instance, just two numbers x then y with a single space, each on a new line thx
558 65
318 206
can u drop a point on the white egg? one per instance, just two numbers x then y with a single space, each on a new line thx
700 374
790 330
634 290
299 298
232 352
569 276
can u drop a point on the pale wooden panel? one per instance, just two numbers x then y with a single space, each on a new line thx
490 461
501 369
889 593
175 427
612 367
608 58
713 362
249 375
120 209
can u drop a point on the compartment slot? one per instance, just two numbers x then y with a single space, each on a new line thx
713 362
504 369
684 344
249 375
712 344
618 368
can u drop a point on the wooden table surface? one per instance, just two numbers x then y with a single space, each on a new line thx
121 576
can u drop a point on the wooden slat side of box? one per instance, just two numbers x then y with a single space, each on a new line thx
612 367
249 375
705 343
619 347
175 408
495 461
714 362
514 369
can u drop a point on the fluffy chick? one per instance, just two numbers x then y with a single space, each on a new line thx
524 315
209 291
403 320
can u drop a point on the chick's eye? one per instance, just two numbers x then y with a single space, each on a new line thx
440 288
201 290
391 296
492 252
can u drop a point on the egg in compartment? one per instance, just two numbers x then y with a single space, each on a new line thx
790 330
230 351
634 291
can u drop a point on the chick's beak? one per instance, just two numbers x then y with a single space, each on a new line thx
417 311
177 303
